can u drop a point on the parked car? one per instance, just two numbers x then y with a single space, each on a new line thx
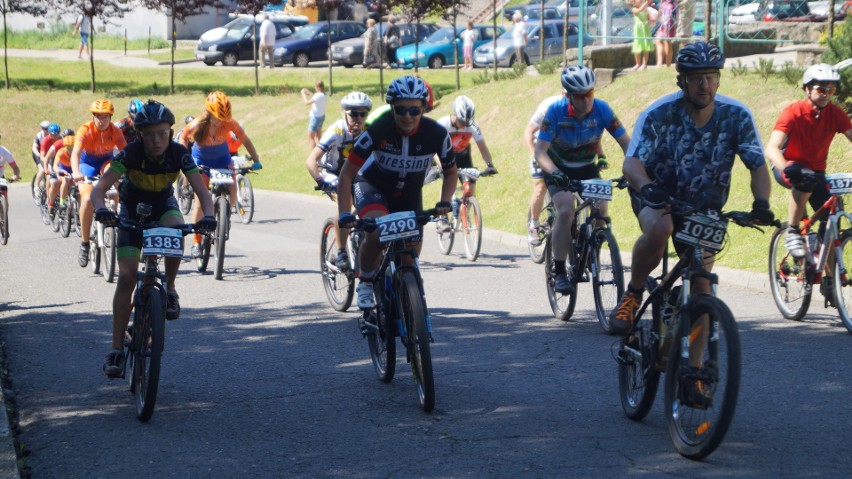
310 43
437 50
233 41
782 10
532 12
572 7
505 51
745 12
622 22
820 9
351 52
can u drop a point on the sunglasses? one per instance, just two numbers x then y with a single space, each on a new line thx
825 90
156 135
410 110
357 114
583 96
699 78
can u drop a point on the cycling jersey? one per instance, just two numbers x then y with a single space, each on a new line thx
234 144
574 142
376 114
694 164
461 139
37 146
535 121
5 157
147 178
212 151
97 146
337 143
127 129
63 159
810 132
46 143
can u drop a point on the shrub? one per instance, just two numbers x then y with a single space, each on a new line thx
839 49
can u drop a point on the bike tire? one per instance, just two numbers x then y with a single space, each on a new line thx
223 216
638 374
607 275
37 189
75 216
54 218
185 195
65 221
418 339
697 432
339 285
108 254
446 238
203 261
788 278
45 213
562 305
382 341
245 199
146 360
472 225
843 280
94 251
4 220
537 252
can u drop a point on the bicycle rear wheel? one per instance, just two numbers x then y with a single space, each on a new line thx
223 217
562 305
382 340
4 220
75 216
65 219
54 217
788 278
417 339
94 249
698 427
445 227
607 275
245 199
37 189
202 261
472 225
537 252
108 255
185 195
339 285
149 336
843 280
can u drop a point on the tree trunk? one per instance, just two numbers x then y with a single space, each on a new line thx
254 43
494 34
328 54
456 49
174 46
92 50
541 33
6 51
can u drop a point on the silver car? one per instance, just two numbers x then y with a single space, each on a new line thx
553 30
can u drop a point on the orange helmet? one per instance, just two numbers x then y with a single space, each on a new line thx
102 106
68 141
219 105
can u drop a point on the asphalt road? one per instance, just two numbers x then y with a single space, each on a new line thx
261 378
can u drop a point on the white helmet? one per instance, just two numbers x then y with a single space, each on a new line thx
356 99
577 79
821 72
463 109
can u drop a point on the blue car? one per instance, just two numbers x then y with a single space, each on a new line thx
437 50
310 43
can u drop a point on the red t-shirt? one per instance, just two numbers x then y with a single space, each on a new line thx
46 143
809 137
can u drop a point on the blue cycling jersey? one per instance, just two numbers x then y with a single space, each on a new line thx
574 142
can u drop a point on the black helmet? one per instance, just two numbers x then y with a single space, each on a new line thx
153 113
67 132
699 56
407 87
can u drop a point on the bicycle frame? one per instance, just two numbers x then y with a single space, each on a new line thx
393 259
831 212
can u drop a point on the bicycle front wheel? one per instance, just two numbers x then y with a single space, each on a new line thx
223 217
185 195
108 253
445 227
55 219
339 285
4 221
607 275
382 340
700 402
562 305
65 219
417 339
37 189
149 337
537 251
245 199
843 280
472 224
788 278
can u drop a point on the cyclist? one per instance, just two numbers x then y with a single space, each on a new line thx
61 171
210 133
94 146
566 149
49 160
798 152
36 150
149 166
44 146
333 149
402 144
462 127
126 123
380 111
7 157
683 147
234 143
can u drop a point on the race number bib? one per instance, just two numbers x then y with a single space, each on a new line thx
162 242
703 231
839 183
597 189
221 177
397 226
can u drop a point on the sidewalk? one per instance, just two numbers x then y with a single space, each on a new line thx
134 58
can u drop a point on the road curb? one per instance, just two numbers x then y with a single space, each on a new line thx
188 60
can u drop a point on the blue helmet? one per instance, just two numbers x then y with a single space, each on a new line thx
699 56
53 129
407 87
134 106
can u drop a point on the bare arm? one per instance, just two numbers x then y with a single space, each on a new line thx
486 153
305 99
529 137
75 160
250 147
623 141
448 187
542 157
344 187
635 172
99 190
773 149
760 184
312 163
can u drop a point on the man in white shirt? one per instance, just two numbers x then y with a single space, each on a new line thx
267 41
519 36
84 26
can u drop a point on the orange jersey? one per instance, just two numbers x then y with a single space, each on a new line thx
219 135
95 143
63 157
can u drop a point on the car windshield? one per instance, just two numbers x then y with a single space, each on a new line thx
308 31
443 35
238 28
533 31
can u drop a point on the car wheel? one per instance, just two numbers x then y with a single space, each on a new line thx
436 62
230 59
301 60
209 63
348 65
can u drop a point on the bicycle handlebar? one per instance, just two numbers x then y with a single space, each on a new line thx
369 224
740 218
128 224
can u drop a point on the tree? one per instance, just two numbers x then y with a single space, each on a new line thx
327 6
178 10
452 15
254 7
103 9
33 7
415 10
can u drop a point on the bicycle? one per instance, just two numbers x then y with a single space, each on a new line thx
245 193
537 251
594 252
145 336
102 238
792 279
4 211
339 284
38 190
465 218
220 183
400 304
184 194
697 417
70 216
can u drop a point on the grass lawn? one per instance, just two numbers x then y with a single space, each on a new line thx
276 121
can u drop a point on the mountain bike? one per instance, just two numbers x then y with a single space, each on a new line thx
220 184
245 193
400 304
792 279
70 216
339 284
683 325
102 251
594 252
145 336
4 211
466 218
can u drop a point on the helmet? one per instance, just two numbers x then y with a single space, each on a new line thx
67 132
699 56
463 109
577 79
407 88
102 106
219 105
134 106
43 125
188 119
821 72
356 99
68 140
153 113
53 129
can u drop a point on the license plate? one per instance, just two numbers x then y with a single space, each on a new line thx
162 242
481 59
839 183
397 226
221 177
703 231
200 56
597 189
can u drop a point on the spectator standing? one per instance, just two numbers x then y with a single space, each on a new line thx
392 39
267 40
642 44
667 30
469 36
371 45
84 26
317 114
685 18
519 36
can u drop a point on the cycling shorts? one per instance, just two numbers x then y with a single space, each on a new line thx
36 159
369 198
66 169
129 243
820 193
587 172
91 165
221 163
